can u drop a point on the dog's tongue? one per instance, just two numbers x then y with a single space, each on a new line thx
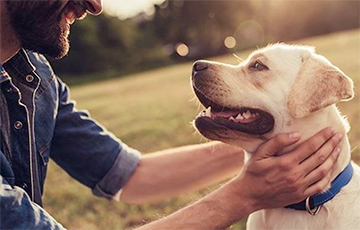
224 114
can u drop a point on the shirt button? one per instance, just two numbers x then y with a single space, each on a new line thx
24 186
9 90
18 125
29 78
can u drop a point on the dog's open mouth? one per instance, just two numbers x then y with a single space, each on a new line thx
247 120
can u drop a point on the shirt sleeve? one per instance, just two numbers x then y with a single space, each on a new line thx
17 211
88 152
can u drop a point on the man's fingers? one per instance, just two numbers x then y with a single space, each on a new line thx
323 170
308 147
326 151
277 143
318 186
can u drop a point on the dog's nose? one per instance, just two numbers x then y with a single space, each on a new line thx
199 66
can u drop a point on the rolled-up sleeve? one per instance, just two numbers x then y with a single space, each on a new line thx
88 152
119 173
17 211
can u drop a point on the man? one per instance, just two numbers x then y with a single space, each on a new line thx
38 121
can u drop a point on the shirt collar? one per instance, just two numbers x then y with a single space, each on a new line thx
3 74
19 64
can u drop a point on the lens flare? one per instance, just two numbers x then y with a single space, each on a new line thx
182 49
230 42
250 33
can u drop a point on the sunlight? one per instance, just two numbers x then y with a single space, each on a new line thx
129 8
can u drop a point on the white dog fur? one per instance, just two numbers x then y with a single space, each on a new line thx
299 89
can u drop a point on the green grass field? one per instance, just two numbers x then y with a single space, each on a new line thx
153 110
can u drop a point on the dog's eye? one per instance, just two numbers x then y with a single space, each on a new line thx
258 66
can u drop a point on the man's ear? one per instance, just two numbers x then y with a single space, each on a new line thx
317 85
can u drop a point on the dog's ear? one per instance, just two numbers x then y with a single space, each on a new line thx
317 85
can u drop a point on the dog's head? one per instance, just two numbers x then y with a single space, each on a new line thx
267 94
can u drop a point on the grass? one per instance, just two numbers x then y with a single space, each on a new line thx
153 110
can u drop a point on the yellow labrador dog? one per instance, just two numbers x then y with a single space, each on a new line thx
283 88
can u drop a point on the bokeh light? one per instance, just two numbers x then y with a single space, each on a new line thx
230 42
182 49
249 34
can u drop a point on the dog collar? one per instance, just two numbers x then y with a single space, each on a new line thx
315 202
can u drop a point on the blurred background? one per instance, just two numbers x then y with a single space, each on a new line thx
130 67
133 36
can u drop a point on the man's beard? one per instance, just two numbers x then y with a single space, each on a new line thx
37 26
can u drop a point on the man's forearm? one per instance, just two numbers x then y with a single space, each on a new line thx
175 171
218 210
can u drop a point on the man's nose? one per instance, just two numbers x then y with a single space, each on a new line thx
94 7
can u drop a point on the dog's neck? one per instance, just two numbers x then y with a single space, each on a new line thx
310 125
329 116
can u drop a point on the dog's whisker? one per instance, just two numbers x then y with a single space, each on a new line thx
193 98
239 59
199 106
194 134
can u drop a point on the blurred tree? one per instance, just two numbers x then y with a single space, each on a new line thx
202 25
107 46
98 43
289 20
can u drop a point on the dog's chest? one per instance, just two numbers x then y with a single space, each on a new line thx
289 219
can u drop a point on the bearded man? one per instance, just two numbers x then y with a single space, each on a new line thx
38 121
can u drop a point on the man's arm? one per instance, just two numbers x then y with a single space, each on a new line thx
172 172
242 196
218 210
175 171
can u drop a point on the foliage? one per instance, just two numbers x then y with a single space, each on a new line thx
151 111
105 46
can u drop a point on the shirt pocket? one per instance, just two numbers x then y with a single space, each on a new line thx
44 153
44 156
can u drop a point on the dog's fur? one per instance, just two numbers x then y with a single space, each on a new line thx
299 88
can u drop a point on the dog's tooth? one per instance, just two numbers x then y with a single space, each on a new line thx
231 118
247 114
208 112
239 117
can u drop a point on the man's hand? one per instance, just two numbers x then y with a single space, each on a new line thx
271 181
267 181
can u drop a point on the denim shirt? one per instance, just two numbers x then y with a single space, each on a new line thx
38 121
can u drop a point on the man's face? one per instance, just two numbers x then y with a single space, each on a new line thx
44 26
